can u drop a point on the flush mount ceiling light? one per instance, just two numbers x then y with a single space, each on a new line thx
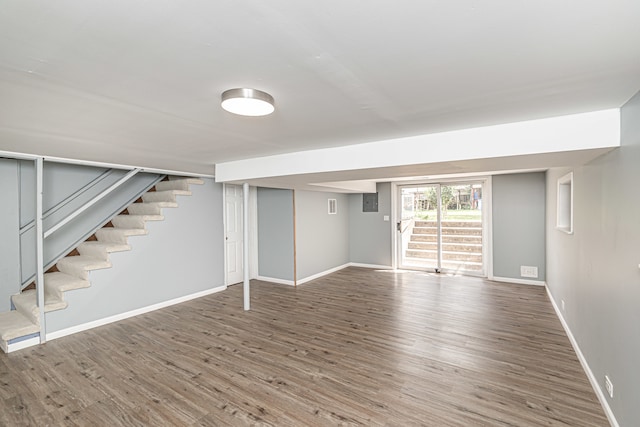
247 102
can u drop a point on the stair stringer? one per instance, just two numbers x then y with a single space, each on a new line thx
179 258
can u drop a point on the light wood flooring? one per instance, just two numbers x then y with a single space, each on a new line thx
358 347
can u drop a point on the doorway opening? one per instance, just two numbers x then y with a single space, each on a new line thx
441 227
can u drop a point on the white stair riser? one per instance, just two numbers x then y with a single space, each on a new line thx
154 208
101 250
128 221
196 181
180 184
118 235
163 196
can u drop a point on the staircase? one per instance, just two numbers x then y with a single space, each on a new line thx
461 245
72 272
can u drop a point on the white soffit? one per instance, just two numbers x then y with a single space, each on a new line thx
579 132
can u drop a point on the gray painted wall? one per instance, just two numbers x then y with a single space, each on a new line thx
322 240
180 256
61 182
275 233
369 235
595 270
9 233
518 209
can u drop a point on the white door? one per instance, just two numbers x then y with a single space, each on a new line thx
233 233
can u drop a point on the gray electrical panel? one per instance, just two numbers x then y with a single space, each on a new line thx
370 202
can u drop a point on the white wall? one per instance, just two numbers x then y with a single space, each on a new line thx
595 271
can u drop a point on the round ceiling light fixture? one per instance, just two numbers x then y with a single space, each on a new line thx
247 102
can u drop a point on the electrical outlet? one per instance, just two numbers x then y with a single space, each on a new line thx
528 271
608 385
562 302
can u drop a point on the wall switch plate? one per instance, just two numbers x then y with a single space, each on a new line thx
562 302
385 218
528 271
608 385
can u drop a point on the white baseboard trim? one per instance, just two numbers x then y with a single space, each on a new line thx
519 281
100 322
373 266
9 348
322 273
585 365
274 280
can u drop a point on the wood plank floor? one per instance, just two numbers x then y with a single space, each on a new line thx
358 347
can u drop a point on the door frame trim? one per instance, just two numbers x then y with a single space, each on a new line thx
487 217
253 231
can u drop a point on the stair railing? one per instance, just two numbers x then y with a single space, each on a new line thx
41 234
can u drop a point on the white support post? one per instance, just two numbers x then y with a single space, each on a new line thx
40 250
245 246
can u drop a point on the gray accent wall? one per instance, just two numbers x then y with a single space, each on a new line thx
322 240
9 233
275 233
180 256
369 234
595 270
67 187
518 209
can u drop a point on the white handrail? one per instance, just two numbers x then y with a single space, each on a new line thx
90 203
25 156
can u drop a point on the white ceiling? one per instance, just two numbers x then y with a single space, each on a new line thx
139 82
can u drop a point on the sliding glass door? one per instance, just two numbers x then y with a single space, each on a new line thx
441 227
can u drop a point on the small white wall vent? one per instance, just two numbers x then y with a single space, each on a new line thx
333 206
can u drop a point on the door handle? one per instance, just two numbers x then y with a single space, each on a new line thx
399 226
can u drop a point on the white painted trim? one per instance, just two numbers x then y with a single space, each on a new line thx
322 273
31 342
372 266
519 281
585 365
100 322
277 281
594 130
24 156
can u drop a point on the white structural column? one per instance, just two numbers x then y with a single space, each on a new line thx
245 246
40 249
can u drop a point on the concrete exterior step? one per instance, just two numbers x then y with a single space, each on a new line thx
154 208
468 231
446 239
446 256
445 223
449 265
449 247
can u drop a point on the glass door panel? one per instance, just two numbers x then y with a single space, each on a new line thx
441 227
